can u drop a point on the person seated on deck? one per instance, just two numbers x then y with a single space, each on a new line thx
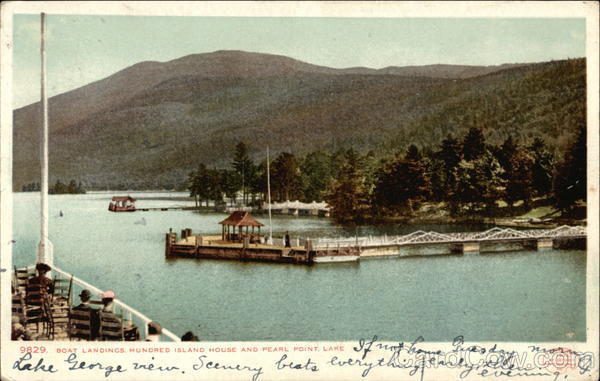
189 336
39 287
108 304
130 331
85 306
19 330
111 323
154 331
85 297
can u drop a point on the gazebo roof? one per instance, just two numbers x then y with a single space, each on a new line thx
123 198
240 218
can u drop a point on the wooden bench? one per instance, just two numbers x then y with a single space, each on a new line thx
111 326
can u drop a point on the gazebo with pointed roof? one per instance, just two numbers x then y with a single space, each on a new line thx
240 219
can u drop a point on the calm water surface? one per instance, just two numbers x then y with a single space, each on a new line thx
514 296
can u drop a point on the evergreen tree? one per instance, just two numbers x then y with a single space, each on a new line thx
473 144
214 186
80 188
242 164
230 184
434 170
445 178
31 187
200 183
570 179
541 171
371 166
412 154
286 183
58 188
507 150
192 185
250 178
347 196
316 176
480 182
519 177
337 160
258 181
402 182
72 187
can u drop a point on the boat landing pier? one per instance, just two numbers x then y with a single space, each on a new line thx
419 243
168 208
214 247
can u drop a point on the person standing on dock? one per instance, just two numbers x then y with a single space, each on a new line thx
286 238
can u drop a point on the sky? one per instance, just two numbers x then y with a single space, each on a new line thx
84 48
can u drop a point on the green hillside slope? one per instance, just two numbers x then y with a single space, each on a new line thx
149 125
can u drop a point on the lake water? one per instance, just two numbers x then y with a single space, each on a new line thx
514 296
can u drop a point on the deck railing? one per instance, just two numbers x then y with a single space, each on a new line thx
124 307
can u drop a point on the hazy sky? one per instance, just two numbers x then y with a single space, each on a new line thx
83 49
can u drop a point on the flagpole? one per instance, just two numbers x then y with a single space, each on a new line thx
45 251
270 239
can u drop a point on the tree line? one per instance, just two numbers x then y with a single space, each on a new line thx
245 181
59 187
465 175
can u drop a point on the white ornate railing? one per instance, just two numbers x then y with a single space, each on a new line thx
494 234
124 307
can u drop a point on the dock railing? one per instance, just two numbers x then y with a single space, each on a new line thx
421 236
133 315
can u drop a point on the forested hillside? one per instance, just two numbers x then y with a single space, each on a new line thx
149 125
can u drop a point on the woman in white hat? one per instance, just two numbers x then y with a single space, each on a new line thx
107 301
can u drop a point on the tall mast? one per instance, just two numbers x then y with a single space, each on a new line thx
45 252
270 239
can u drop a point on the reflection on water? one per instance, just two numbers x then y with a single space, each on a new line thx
515 296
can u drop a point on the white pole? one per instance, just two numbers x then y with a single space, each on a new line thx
45 252
270 239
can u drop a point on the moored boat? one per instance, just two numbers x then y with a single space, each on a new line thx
335 258
122 204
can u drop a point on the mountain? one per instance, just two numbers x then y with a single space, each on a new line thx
148 125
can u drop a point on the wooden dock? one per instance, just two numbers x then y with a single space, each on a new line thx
352 249
213 247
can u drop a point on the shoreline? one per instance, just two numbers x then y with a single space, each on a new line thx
479 220
505 221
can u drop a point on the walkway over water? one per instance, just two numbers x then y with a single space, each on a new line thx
307 250
434 243
420 237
